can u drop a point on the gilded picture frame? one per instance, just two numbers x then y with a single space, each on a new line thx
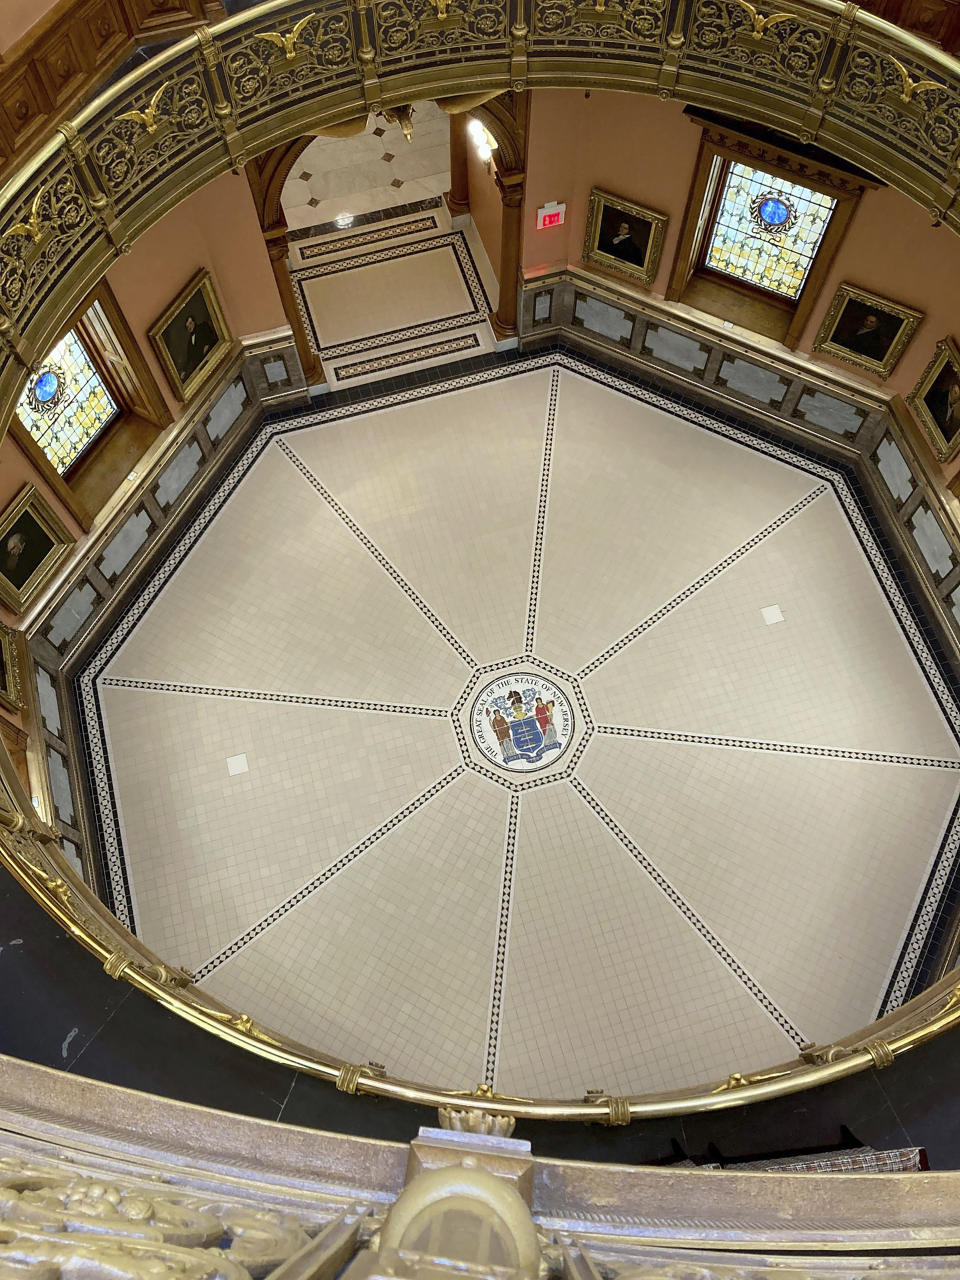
865 330
935 400
623 237
191 338
33 542
11 688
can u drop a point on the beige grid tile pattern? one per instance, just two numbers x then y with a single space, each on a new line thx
349 175
210 854
807 869
641 503
607 986
359 302
391 960
447 487
836 672
278 594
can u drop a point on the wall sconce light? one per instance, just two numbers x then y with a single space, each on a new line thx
483 140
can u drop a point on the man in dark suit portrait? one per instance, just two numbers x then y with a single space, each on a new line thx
943 402
23 547
198 341
867 333
618 239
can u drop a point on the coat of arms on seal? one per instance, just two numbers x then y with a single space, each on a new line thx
521 721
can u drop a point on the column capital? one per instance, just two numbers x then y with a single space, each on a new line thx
510 186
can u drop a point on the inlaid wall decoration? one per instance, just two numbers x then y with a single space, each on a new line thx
866 330
191 338
33 541
623 237
936 399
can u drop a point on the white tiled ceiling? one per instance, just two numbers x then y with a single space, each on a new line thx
730 870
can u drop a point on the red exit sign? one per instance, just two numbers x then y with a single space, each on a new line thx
551 215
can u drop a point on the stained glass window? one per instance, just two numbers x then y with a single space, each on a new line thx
767 231
66 402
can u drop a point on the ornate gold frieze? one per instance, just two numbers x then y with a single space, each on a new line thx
262 75
403 26
603 22
770 43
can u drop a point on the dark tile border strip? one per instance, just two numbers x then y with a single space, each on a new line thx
503 936
325 876
787 748
410 355
465 262
367 219
545 466
414 226
685 909
262 695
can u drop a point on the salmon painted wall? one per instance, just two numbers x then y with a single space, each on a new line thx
646 150
634 146
216 228
485 205
17 470
892 250
18 16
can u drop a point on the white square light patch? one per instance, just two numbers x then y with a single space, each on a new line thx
771 613
237 764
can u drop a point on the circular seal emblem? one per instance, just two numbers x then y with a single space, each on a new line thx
521 722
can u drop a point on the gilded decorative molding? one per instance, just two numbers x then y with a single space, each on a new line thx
465 1120
287 41
134 1229
406 25
575 22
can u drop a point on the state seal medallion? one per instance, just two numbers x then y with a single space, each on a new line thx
521 722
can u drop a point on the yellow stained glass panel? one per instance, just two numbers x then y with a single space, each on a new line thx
66 404
744 245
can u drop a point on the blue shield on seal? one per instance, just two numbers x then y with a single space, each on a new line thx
526 736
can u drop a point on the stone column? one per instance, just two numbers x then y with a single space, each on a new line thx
458 197
278 248
510 186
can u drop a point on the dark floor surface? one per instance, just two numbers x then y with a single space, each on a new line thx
59 1008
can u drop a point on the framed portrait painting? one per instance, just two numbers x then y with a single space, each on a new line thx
11 692
866 330
623 237
936 400
191 338
33 541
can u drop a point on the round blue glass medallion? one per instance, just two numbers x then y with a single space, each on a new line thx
774 212
46 386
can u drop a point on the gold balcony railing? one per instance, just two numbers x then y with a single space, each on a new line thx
28 849
817 69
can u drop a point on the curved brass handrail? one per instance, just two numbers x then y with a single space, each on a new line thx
818 69
28 850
